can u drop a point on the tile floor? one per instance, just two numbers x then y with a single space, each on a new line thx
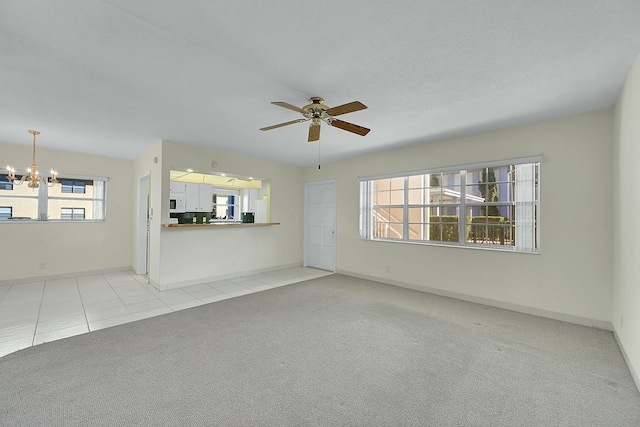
34 313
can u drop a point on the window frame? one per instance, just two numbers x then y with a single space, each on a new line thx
366 231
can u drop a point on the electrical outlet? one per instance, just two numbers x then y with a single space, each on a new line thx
388 269
42 265
233 263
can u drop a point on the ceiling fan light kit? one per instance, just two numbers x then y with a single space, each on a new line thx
316 112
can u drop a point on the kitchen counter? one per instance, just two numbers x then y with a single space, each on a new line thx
223 224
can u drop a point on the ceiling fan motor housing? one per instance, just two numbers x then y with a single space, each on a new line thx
317 112
316 109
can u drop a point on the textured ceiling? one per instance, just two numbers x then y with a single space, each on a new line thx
113 77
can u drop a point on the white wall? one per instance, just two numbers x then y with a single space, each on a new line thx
189 255
626 179
571 277
69 247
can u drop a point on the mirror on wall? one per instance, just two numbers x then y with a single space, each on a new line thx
220 197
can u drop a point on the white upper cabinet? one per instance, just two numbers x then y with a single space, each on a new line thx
177 187
198 197
249 198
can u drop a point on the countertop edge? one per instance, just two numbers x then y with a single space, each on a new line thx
223 224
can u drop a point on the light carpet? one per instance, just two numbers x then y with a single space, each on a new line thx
333 351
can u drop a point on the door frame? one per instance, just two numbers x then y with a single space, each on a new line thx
142 220
307 220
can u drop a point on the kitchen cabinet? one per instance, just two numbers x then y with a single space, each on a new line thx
198 197
177 197
261 211
249 198
177 187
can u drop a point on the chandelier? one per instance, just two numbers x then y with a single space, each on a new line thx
32 176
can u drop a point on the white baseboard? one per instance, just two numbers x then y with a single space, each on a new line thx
634 374
583 321
176 285
62 276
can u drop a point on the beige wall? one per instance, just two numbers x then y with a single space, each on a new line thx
572 274
626 180
197 254
46 248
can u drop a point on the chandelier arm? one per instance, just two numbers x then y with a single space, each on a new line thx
22 179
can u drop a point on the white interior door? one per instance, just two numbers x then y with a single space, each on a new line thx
320 225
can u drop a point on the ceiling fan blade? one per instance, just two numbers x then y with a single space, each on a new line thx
346 108
284 124
288 106
350 127
314 132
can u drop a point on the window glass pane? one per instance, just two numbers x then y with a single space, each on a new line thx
76 199
433 232
450 195
381 214
382 184
450 232
20 199
416 181
395 231
397 183
416 197
416 231
416 215
395 214
382 198
397 197
486 229
450 179
71 213
5 212
5 184
67 186
381 230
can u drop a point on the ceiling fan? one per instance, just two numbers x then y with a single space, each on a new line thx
317 111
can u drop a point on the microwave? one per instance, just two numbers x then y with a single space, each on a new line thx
177 204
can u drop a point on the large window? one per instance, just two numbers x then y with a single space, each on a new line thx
73 198
488 205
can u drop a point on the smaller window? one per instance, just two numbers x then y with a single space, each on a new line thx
5 183
71 213
225 204
73 187
6 212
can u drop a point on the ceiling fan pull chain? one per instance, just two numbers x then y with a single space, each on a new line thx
318 155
